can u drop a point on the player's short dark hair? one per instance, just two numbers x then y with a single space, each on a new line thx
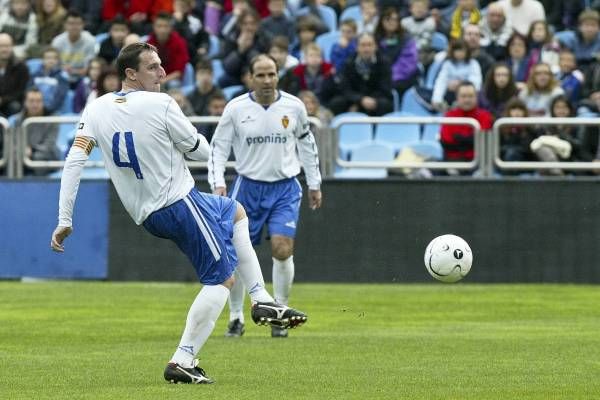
129 57
259 57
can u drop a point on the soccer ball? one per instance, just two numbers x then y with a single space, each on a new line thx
448 258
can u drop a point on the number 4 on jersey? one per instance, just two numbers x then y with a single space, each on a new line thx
133 160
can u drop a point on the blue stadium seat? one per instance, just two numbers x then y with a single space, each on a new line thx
352 12
67 104
431 150
431 132
396 100
326 42
370 152
189 75
411 105
566 38
66 134
432 73
218 70
33 64
101 37
229 91
215 46
352 135
439 41
327 13
397 136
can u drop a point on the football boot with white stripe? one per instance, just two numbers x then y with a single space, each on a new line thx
175 373
277 315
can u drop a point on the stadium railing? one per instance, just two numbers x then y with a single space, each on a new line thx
6 156
477 164
493 145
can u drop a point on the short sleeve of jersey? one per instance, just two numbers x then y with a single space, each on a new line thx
181 130
303 127
86 124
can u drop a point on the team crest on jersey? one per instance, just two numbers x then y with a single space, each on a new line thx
120 100
285 121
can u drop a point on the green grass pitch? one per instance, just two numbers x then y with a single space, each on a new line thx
71 340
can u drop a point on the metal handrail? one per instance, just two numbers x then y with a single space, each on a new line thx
7 144
464 165
539 165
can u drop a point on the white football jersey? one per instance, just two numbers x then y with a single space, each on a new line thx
268 143
137 133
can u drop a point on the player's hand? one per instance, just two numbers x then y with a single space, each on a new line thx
58 237
315 198
220 191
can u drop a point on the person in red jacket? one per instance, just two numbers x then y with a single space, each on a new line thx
458 140
315 74
139 13
172 49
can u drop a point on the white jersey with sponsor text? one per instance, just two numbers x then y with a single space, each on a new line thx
137 133
269 143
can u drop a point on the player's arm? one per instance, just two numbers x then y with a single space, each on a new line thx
184 135
309 158
69 185
220 148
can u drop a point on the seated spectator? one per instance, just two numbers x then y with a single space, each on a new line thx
14 79
91 11
288 82
542 46
458 67
216 105
458 140
346 44
239 50
472 37
182 101
41 138
190 28
306 28
523 13
499 87
315 74
20 23
315 109
278 24
112 45
466 13
50 20
495 32
76 47
172 49
313 11
515 140
139 13
246 83
229 24
398 49
542 87
365 82
562 15
51 80
108 82
587 44
370 16
131 38
570 77
87 84
419 24
205 88
518 59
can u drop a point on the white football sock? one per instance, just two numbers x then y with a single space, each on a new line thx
201 318
236 299
248 267
283 276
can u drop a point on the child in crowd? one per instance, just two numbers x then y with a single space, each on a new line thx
516 139
518 60
111 46
370 16
51 80
419 24
87 84
499 87
570 77
542 46
346 45
315 74
307 32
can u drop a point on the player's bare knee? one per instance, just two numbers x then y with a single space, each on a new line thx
240 213
228 283
282 250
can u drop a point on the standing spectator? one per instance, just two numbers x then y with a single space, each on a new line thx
515 140
205 88
307 33
20 23
51 21
288 82
315 74
419 24
458 140
458 67
466 13
346 44
472 37
41 138
172 49
76 47
365 82
190 28
495 32
542 46
216 105
87 84
51 80
398 49
518 59
13 78
542 87
91 11
278 24
522 13
499 87
112 45
570 77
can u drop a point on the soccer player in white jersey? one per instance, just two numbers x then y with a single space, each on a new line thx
143 136
269 132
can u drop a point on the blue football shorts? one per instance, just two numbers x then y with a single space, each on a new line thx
201 225
274 204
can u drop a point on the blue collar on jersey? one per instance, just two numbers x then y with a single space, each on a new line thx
265 107
124 93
